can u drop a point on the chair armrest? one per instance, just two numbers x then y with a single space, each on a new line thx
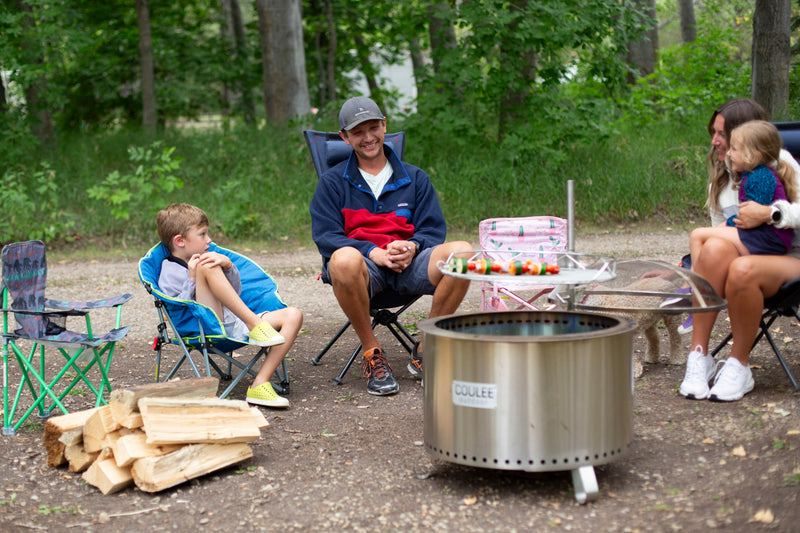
65 312
106 302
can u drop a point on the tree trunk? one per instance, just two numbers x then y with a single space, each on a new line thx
688 23
226 33
772 56
513 102
642 52
240 40
331 64
417 65
3 101
283 57
368 70
149 117
40 119
441 30
325 51
320 42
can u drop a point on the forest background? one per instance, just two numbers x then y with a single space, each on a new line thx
111 109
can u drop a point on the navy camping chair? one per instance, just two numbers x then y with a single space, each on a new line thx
33 322
784 302
328 149
790 134
193 327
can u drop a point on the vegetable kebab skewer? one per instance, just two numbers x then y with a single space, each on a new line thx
462 265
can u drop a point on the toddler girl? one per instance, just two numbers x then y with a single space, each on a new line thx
754 162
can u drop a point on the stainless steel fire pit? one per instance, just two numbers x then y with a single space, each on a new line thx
531 391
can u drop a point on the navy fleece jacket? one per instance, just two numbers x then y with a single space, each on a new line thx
344 212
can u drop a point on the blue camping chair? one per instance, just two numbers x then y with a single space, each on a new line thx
42 324
327 150
192 326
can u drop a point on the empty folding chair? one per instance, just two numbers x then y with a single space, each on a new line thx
509 239
85 357
328 149
193 327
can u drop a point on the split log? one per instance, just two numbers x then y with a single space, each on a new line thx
97 427
55 427
261 420
131 447
72 437
197 421
107 476
152 474
132 421
78 458
124 401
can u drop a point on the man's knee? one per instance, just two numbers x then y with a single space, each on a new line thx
346 264
443 251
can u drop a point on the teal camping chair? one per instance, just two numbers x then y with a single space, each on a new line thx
327 150
33 323
193 327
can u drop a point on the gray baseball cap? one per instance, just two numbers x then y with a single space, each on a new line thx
357 110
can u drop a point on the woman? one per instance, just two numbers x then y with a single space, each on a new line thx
744 281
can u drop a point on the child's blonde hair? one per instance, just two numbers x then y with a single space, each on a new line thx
178 219
760 144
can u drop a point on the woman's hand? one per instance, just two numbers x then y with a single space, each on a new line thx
752 214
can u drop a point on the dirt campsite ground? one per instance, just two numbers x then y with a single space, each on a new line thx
340 459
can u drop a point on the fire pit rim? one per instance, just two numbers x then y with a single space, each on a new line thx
623 325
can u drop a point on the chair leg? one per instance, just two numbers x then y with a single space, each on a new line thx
383 317
403 336
244 371
721 345
315 361
281 376
338 379
782 361
764 332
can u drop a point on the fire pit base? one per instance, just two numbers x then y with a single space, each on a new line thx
531 391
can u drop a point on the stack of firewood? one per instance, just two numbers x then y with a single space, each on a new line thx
156 436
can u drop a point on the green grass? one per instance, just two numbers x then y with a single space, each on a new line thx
256 184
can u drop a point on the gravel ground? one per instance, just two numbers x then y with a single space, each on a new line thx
342 460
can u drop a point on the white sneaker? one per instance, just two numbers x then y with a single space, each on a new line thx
699 371
733 381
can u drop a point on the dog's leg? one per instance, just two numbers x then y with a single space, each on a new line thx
677 354
653 343
638 367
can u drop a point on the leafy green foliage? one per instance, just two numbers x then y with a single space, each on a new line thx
30 207
534 94
689 79
142 189
512 77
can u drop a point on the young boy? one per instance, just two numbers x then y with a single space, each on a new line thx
193 273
